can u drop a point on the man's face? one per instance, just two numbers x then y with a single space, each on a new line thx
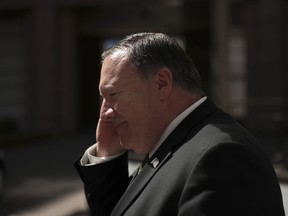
133 102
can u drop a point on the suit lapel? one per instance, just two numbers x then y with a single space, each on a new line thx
180 134
135 187
175 139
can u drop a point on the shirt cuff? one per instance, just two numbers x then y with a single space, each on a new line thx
89 158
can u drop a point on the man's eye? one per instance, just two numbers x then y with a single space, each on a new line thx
112 95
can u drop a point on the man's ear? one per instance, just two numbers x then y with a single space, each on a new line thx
163 80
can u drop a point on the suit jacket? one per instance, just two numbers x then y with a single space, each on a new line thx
209 165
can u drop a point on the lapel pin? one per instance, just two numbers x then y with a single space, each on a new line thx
154 162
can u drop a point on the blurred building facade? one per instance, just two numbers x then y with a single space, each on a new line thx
50 57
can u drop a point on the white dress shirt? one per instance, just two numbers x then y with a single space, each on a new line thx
89 157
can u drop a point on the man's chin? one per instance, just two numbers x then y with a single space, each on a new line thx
125 144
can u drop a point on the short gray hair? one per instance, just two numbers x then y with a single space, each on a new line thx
149 52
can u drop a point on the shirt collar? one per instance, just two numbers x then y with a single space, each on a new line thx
175 123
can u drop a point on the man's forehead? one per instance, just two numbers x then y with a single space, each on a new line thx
112 70
108 81
115 61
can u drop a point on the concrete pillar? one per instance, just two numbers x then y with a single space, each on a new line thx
43 79
266 30
219 58
67 64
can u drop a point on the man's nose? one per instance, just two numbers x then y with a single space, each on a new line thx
107 112
110 113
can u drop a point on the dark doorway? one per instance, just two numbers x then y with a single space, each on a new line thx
89 53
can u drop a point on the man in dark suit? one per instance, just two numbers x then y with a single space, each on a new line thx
199 160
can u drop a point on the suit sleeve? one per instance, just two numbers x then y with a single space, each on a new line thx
104 184
231 179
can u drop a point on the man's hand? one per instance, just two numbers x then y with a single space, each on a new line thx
108 141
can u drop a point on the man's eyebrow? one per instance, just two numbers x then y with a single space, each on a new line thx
105 89
106 86
102 88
